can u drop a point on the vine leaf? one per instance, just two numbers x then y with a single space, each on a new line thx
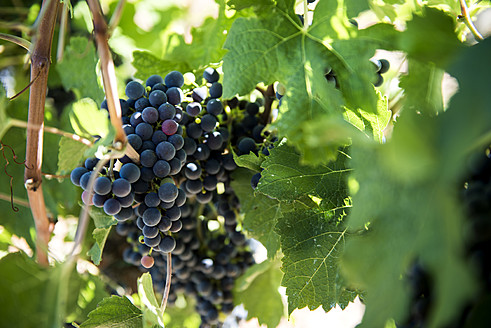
265 50
87 120
286 179
441 43
261 212
312 243
80 57
114 311
262 279
423 87
421 164
103 224
250 161
152 315
69 154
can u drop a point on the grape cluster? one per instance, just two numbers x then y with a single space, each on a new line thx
205 262
185 139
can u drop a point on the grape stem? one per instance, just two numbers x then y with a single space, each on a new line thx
168 278
17 201
109 80
40 63
116 17
269 97
53 130
17 40
466 17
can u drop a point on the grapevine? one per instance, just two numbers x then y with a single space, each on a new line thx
210 163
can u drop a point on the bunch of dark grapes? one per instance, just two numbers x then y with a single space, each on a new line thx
185 139
205 263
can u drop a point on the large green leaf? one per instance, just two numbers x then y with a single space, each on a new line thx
77 70
266 50
152 315
262 279
408 199
87 120
312 243
285 178
114 311
103 224
70 154
261 212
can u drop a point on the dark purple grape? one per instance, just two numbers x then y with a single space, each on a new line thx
112 206
211 75
154 79
134 90
214 107
77 174
166 111
102 185
130 172
150 115
157 98
174 95
168 192
121 187
174 79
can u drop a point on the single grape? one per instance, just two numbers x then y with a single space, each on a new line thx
174 79
174 95
154 79
214 106
130 172
177 141
126 213
194 131
255 180
167 244
150 232
216 90
211 75
135 141
141 104
144 130
150 115
165 150
169 127
152 242
158 136
247 145
151 216
147 261
164 224
199 94
202 152
112 206
166 111
161 168
208 122
77 174
252 108
193 109
102 185
128 129
152 200
85 198
157 98
127 200
384 66
148 158
121 187
90 163
134 90
168 192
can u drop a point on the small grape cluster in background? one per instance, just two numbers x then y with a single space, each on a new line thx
178 199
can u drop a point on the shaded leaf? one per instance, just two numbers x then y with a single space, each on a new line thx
114 311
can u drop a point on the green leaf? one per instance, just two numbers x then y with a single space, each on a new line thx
250 161
151 309
70 154
261 212
87 120
114 311
438 29
266 50
286 179
103 224
421 165
423 87
147 64
264 280
78 68
312 243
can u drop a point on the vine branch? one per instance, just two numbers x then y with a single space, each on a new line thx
17 40
168 278
109 80
466 17
52 130
40 62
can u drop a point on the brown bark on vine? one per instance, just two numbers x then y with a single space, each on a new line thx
40 63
